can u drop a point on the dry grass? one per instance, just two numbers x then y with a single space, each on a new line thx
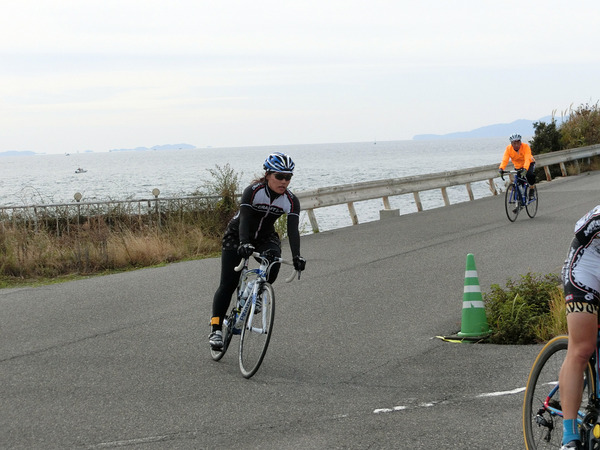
584 165
555 323
27 255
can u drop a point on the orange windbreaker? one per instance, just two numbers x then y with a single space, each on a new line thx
521 159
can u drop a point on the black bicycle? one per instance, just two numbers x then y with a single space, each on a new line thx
519 195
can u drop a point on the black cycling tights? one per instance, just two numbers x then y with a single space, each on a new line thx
230 278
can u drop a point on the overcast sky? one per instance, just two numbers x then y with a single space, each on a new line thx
80 75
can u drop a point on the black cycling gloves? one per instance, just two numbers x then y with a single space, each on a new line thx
299 263
245 250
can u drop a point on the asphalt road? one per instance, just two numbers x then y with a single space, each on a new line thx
123 360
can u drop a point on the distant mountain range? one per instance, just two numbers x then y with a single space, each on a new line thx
522 126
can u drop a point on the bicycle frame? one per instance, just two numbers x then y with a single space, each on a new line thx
259 276
518 196
254 326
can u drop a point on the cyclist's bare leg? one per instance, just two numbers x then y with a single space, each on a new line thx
583 332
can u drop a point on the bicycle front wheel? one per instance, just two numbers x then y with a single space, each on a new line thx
511 203
542 411
532 204
256 333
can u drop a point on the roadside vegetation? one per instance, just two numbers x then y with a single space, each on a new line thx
40 251
528 311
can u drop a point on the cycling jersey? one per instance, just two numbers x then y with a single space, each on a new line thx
521 159
260 207
581 271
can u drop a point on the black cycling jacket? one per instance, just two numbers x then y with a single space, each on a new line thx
259 209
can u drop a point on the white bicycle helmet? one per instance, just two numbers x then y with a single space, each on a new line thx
515 137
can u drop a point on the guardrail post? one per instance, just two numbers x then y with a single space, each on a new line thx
563 169
313 220
353 215
445 196
492 186
469 191
547 172
386 202
418 201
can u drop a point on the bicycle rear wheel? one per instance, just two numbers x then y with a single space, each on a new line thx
542 411
532 205
511 203
256 333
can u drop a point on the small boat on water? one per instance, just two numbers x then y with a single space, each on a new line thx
80 170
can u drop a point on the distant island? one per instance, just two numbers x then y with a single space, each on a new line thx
522 126
16 153
137 149
156 147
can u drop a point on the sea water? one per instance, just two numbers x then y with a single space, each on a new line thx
130 175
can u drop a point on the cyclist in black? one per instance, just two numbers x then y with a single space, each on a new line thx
581 282
252 229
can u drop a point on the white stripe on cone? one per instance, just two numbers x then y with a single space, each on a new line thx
472 304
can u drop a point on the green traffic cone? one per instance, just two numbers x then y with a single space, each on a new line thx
474 321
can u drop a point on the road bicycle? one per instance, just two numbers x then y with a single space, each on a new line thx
542 411
517 196
252 314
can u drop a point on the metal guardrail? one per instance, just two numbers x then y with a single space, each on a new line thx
369 190
142 209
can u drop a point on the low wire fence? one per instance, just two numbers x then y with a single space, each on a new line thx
64 218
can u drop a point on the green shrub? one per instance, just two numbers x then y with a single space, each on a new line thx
517 313
219 210
514 322
582 128
546 138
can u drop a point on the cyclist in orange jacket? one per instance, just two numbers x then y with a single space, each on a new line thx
524 162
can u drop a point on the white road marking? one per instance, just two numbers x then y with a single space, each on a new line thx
434 403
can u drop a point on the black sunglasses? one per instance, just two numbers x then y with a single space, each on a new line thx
283 176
